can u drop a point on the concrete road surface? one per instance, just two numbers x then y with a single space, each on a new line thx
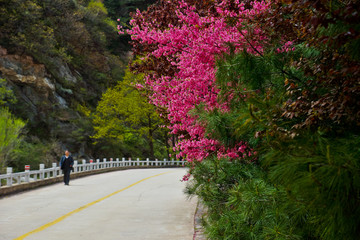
124 205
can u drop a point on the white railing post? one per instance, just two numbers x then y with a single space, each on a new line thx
172 162
111 162
76 167
27 172
105 164
84 168
165 161
129 164
147 162
91 164
137 162
97 163
54 165
9 172
156 162
117 164
123 162
42 173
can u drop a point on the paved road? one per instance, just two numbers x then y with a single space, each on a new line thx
123 205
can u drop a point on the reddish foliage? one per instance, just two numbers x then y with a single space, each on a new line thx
333 94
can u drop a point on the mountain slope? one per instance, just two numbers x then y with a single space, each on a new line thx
56 57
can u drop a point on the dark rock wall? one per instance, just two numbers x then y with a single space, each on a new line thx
44 101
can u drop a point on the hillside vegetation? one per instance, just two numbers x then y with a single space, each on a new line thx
57 58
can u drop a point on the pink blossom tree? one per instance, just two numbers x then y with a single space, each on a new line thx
179 42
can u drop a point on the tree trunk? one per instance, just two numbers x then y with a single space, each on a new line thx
151 143
167 144
174 140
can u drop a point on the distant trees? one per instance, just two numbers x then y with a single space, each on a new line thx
77 33
10 129
122 8
10 126
124 115
16 147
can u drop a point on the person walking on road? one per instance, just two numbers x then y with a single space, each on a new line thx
66 163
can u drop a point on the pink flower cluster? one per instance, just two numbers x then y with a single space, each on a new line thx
120 27
288 46
195 43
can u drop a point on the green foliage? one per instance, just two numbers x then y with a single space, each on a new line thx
323 174
64 32
254 89
10 129
15 150
243 204
125 115
6 95
32 152
306 185
97 7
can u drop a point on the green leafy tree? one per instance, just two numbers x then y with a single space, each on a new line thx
32 151
16 148
10 129
6 95
127 116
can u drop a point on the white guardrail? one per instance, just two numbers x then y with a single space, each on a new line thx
10 178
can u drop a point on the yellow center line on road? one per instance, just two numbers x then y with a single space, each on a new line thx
82 208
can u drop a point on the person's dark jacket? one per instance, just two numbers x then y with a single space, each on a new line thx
66 163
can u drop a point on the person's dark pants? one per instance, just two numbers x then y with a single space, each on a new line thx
66 176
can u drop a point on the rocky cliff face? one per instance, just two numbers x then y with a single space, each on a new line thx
44 101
